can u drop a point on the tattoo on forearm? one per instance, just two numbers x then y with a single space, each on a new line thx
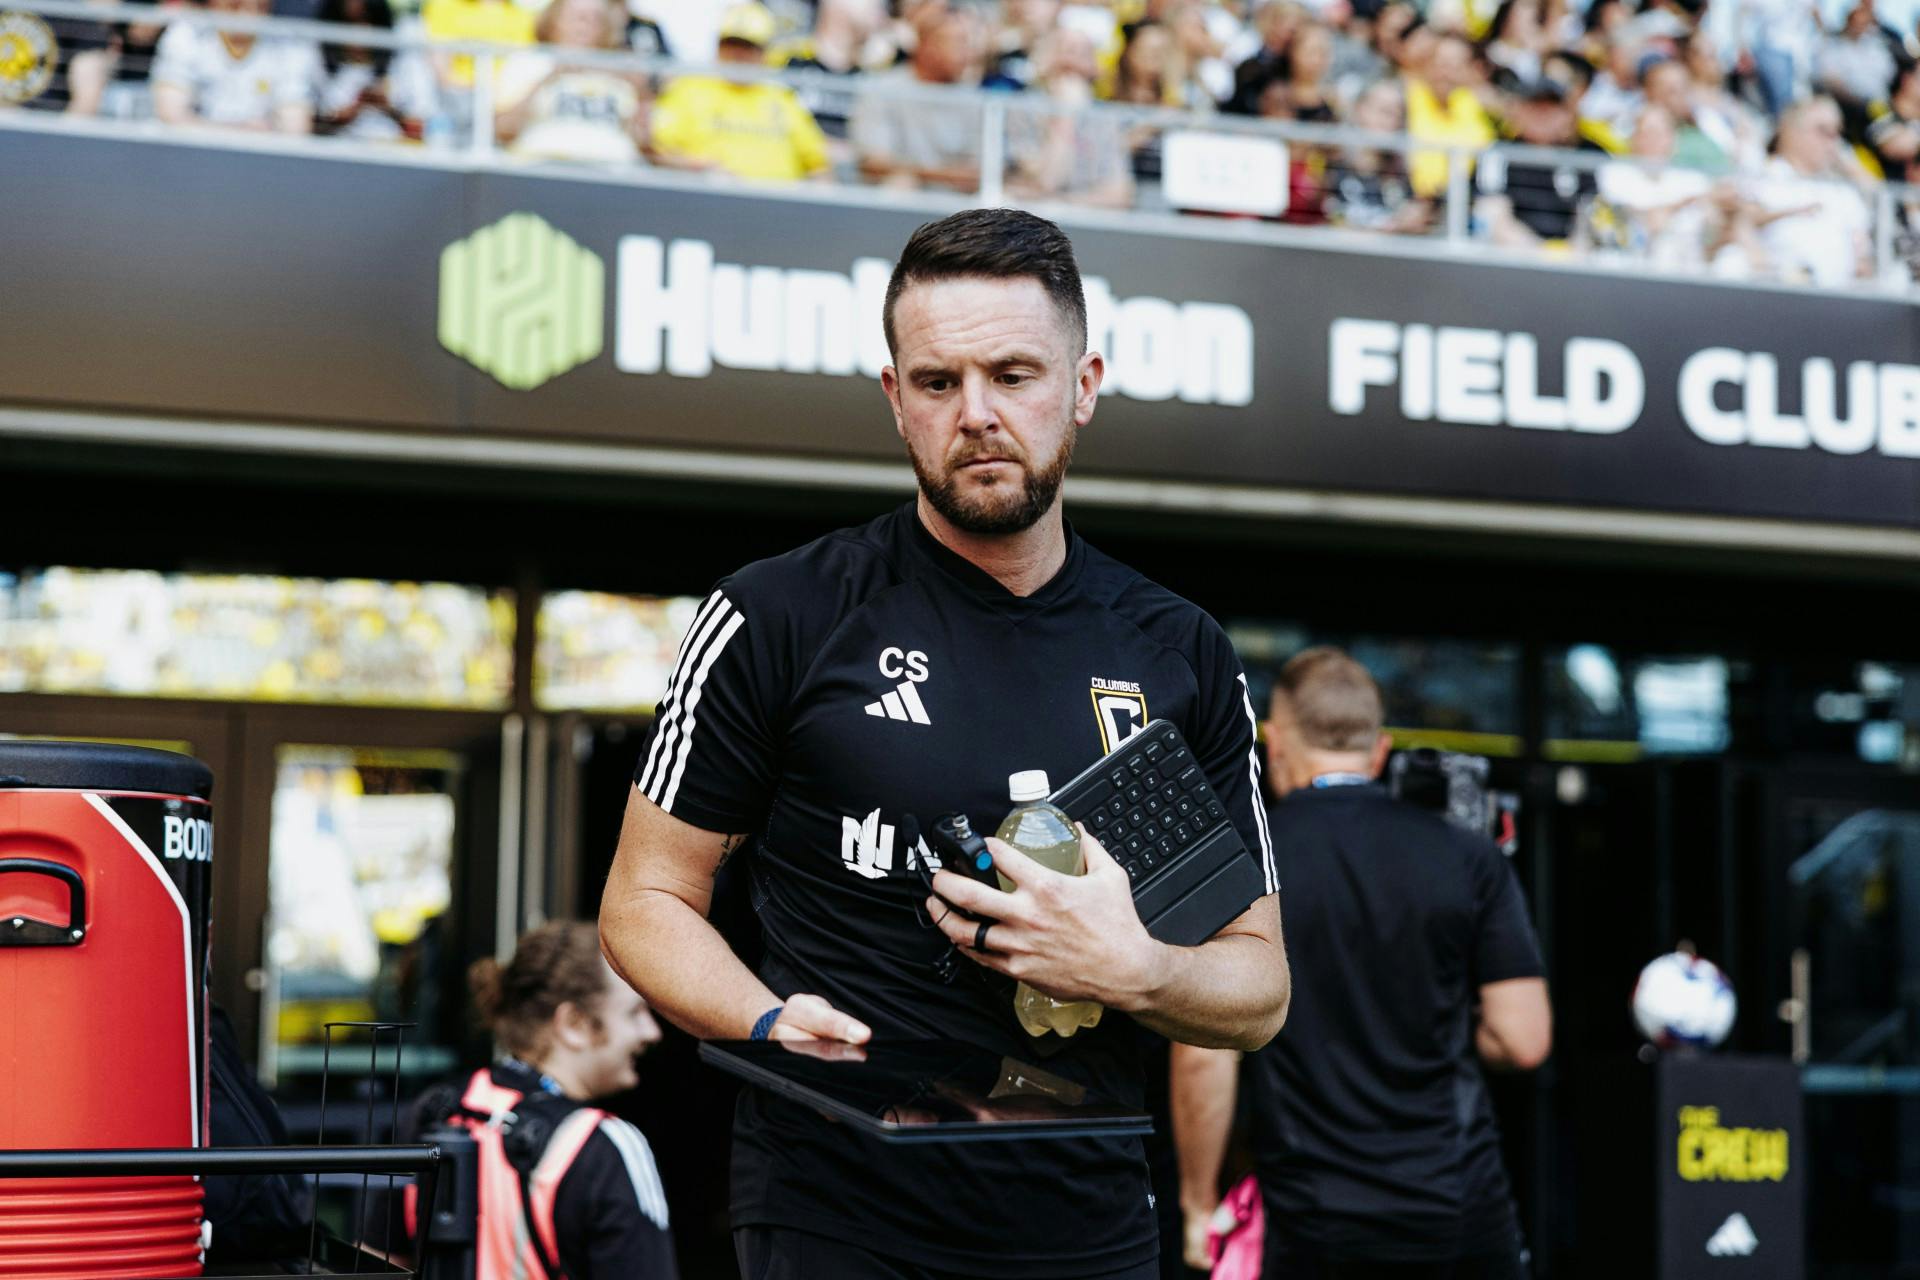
727 847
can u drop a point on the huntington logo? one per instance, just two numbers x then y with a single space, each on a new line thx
521 301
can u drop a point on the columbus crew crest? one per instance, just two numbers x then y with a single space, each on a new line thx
1121 710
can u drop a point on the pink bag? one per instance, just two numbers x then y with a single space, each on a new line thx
1237 1235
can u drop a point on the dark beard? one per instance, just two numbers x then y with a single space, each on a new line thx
979 513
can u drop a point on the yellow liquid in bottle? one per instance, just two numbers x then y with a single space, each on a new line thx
1045 834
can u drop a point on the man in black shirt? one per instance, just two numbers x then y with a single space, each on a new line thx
1374 1141
1530 201
907 667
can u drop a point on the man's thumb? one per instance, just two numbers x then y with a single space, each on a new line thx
1092 851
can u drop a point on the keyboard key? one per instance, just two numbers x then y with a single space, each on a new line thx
1136 765
1179 760
1170 792
1183 833
1153 781
1183 806
1166 846
1214 810
1133 870
1135 794
1136 818
1136 845
1097 820
1155 804
1190 778
1148 862
1116 806
1118 778
1155 750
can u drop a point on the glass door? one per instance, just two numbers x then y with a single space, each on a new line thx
360 874
373 839
1847 876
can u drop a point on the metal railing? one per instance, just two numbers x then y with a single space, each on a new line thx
1436 189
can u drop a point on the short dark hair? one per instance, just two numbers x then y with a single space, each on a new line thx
1334 701
1001 244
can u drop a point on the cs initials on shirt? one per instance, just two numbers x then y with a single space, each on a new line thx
896 663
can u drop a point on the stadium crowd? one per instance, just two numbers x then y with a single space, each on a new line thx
1739 136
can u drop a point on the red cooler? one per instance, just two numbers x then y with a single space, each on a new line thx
106 869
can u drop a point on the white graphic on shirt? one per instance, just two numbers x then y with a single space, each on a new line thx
866 848
1121 709
902 703
911 663
919 853
1734 1239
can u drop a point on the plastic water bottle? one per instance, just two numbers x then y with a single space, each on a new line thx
1044 833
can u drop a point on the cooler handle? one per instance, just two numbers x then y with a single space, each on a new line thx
25 931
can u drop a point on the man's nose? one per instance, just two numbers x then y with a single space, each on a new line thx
978 413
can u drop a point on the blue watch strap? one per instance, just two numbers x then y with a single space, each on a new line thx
763 1026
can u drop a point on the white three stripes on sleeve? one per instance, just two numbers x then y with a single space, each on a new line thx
713 627
638 1157
696 635
1267 867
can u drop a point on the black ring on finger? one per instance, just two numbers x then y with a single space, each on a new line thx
980 935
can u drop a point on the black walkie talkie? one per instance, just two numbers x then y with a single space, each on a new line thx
960 850
952 840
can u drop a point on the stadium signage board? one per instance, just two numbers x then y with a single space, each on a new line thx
276 287
680 311
1484 377
1729 1156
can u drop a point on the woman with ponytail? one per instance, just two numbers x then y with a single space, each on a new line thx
566 1191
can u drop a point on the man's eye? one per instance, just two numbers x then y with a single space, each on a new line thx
936 385
1014 379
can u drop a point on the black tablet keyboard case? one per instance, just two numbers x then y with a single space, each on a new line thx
1150 805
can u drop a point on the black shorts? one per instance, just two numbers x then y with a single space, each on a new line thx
780 1253
1294 1259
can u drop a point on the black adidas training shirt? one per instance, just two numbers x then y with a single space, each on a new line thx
822 694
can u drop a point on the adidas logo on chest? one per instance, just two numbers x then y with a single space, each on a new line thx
902 702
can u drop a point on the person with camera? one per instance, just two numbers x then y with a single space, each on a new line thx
1374 1140
825 697
566 1191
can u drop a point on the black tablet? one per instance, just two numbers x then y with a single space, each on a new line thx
926 1090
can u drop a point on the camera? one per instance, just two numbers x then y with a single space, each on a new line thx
1454 785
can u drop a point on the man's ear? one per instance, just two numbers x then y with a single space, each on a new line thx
1382 747
890 383
1088 375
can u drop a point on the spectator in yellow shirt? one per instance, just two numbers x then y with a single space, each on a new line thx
1443 106
483 21
748 130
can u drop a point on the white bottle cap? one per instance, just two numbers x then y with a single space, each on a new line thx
1028 784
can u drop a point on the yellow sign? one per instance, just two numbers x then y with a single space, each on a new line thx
1712 1152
